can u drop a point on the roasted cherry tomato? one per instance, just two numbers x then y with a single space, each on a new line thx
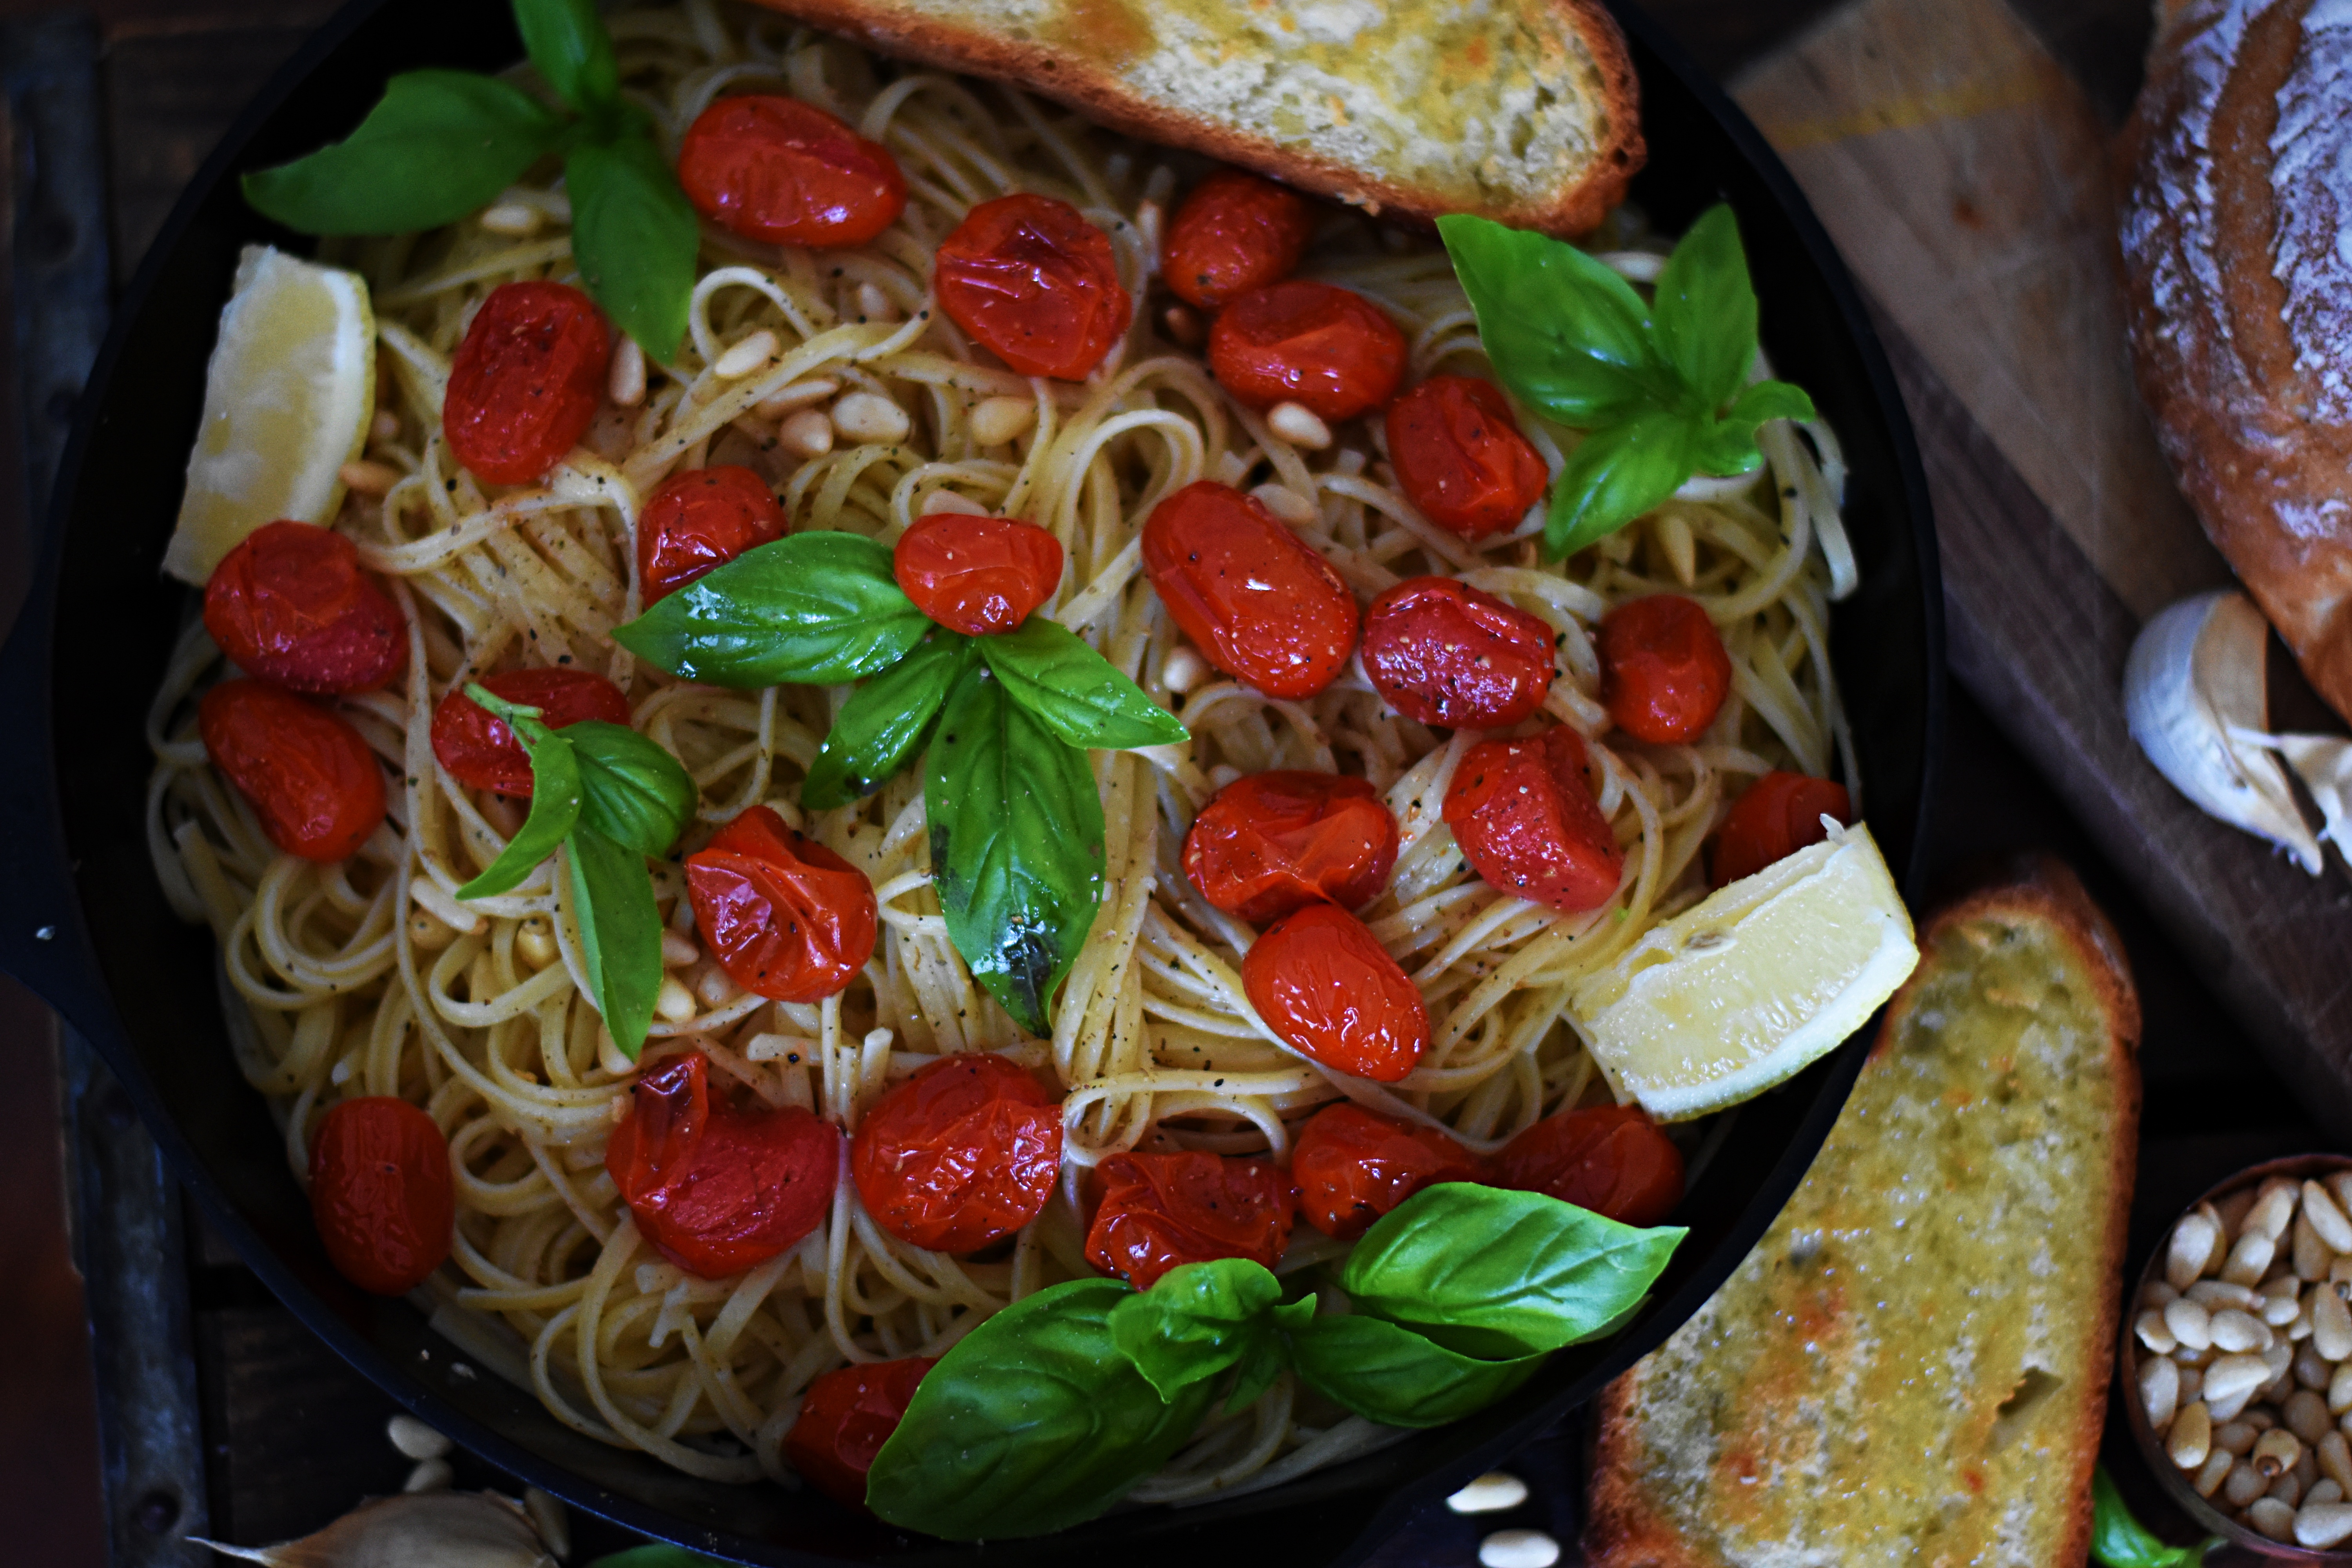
963 1154
718 1187
1611 1159
1441 652
380 1194
779 169
1161 1211
1353 1166
526 381
1459 455
1525 817
1312 344
1274 842
1253 596
976 574
313 782
845 1417
1780 815
1030 278
700 519
1324 983
784 915
481 753
1663 672
291 604
1235 232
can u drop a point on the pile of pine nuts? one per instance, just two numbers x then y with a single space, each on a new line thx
2247 1377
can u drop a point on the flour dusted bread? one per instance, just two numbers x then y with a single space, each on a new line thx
1519 111
1912 1366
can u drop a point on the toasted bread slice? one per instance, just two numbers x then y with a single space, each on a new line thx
1521 110
1912 1367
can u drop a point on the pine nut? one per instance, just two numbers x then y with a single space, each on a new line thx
2184 1356
2215 1294
2326 1491
807 434
2339 1272
2233 1329
997 420
2331 1324
2261 1420
415 1439
2276 1451
2309 1370
799 394
548 1518
2334 1452
516 220
1298 425
716 988
2190 1440
1147 219
866 417
369 478
677 950
384 426
535 940
609 1058
2273 1207
2322 1524
2159 1392
2157 1294
2244 1485
1183 325
2307 1255
2306 1415
625 383
2192 1383
1518 1549
1285 503
2217 1466
2233 1374
2272 1517
427 933
431 1476
2192 1243
2327 1217
2281 1298
2298 1328
2227 1406
875 305
1490 1493
947 501
2339 1187
2287 1489
2279 1358
2339 1389
2235 1437
2249 1259
2149 1327
746 357
675 1003
1184 670
2190 1323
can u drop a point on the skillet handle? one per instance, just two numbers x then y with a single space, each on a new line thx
43 941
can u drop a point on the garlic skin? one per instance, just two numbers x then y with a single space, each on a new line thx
447 1530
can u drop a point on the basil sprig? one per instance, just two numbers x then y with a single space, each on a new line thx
441 144
2120 1540
1658 389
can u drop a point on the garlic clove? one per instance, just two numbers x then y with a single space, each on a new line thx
448 1530
2323 764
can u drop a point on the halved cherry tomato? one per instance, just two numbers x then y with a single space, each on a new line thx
1032 279
976 574
1334 351
784 915
845 1417
717 1187
526 381
963 1154
291 605
701 519
1235 232
1161 1211
1663 672
1253 596
313 782
1352 1166
481 753
779 169
1778 815
380 1194
1324 983
1441 652
1611 1159
1274 842
1459 455
1525 817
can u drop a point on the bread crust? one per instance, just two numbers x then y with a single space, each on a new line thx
900 29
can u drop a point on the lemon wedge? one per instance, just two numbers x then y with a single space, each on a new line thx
287 397
1745 990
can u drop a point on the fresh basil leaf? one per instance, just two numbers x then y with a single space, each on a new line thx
1260 1364
1195 1322
1617 473
1387 1372
620 933
1563 331
886 722
656 1554
1704 313
1075 691
631 791
812 609
635 236
1727 446
568 44
439 144
554 808
1031 1423
2118 1539
1017 845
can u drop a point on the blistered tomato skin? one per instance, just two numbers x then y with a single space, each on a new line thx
1324 983
784 916
777 170
976 574
1525 817
1460 457
481 753
1273 843
1664 673
1353 1166
1161 1211
1331 349
716 1187
380 1194
1257 602
701 519
1035 283
961 1154
845 1417
526 381
1611 1159
1441 652
1780 814
291 605
1234 233
313 782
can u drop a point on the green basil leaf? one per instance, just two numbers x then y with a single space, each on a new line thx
1727 446
439 144
1033 1423
1616 474
631 791
1075 691
1195 1322
656 1554
1564 331
635 236
554 808
1261 1363
886 722
812 609
2120 1540
1387 1372
620 933
1704 313
570 47
1017 845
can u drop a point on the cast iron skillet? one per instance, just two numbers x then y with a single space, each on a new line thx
87 926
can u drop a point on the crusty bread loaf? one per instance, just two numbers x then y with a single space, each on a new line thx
1520 110
1912 1366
